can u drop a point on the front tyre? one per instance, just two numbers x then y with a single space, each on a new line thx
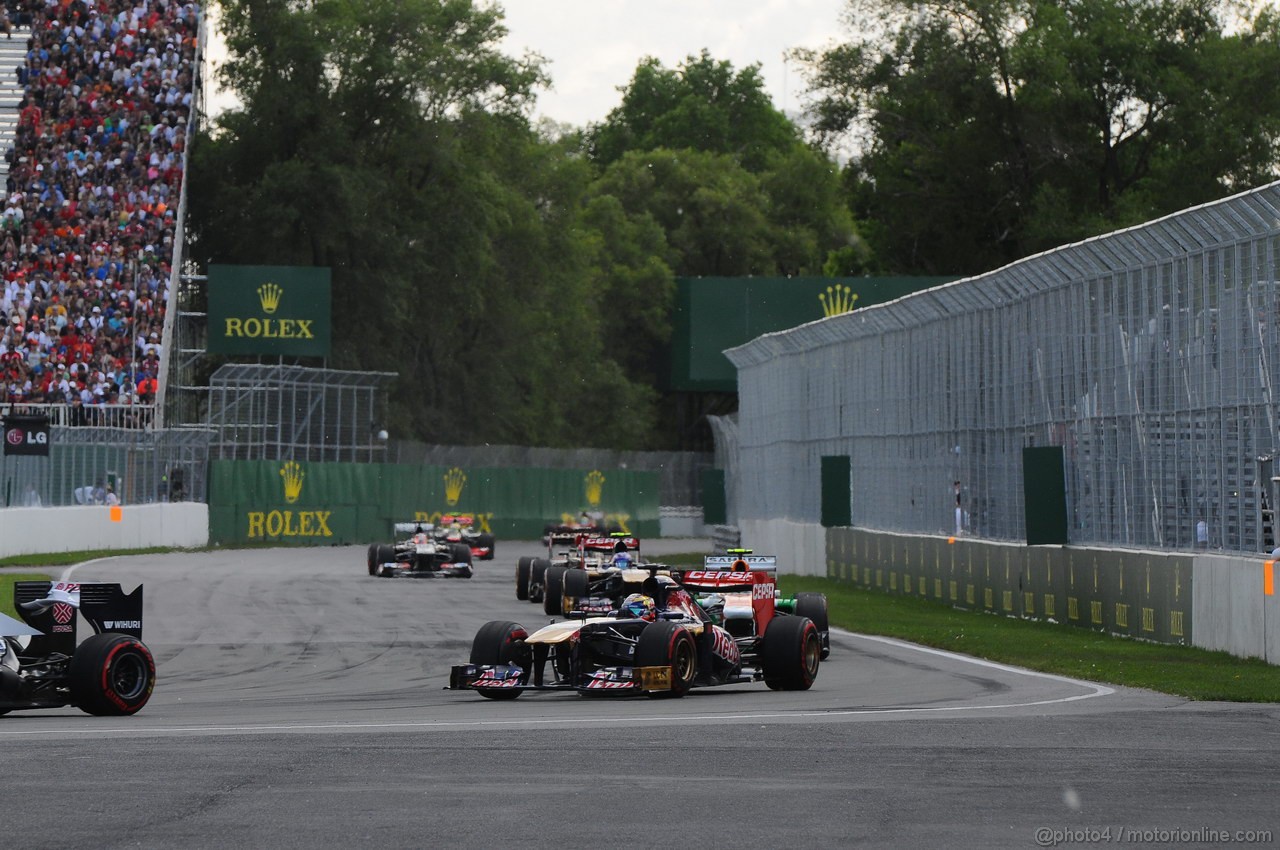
502 642
668 644
372 555
112 674
790 652
537 579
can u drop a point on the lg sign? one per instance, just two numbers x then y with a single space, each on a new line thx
17 437
26 435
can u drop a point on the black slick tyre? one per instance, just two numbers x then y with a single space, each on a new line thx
491 542
501 642
553 591
790 652
537 579
461 553
373 559
111 674
668 644
576 585
524 572
384 554
814 606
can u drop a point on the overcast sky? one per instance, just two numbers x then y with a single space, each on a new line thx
594 46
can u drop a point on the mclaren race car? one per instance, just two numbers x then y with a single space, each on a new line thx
110 673
419 554
460 528
660 643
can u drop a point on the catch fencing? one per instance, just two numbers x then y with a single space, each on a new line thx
1149 355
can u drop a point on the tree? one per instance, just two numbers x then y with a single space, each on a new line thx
388 141
992 129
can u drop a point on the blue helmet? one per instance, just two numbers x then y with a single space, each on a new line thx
637 606
622 561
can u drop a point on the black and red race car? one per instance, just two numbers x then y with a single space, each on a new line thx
41 666
660 643
460 528
592 575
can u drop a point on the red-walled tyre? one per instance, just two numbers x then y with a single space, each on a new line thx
501 642
790 652
668 644
112 674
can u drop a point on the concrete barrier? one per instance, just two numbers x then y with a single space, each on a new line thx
30 531
1126 591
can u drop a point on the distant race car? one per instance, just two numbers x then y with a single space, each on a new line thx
594 577
110 673
419 554
460 528
562 535
660 643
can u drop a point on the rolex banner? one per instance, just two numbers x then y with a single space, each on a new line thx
269 310
26 434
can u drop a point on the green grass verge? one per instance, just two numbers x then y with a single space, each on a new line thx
6 588
1049 647
66 559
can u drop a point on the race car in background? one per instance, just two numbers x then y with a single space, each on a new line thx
460 528
419 554
659 643
562 535
41 666
724 588
590 576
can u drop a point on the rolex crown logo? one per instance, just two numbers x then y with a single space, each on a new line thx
292 474
454 480
837 299
594 483
269 294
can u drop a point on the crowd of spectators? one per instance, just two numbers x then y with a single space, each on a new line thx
89 218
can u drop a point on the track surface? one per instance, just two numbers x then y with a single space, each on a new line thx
300 704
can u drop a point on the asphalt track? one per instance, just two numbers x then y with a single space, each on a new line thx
300 703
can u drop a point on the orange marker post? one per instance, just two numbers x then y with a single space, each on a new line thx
117 513
1268 578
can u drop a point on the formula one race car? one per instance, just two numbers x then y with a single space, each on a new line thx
723 588
110 673
460 528
561 535
419 555
660 643
592 576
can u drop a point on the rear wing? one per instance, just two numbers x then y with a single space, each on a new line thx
413 527
50 607
613 544
731 572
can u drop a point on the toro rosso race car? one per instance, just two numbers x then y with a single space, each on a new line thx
111 673
660 642
592 577
419 555
460 528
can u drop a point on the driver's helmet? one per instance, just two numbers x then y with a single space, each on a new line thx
638 606
622 561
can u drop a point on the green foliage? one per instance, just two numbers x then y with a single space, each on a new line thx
988 130
388 141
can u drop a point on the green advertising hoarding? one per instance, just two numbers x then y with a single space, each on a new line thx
269 310
308 504
716 313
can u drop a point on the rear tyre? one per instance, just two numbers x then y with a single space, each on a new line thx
668 644
373 559
814 606
386 553
538 579
461 553
576 585
490 541
524 572
790 652
112 674
502 642
553 591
